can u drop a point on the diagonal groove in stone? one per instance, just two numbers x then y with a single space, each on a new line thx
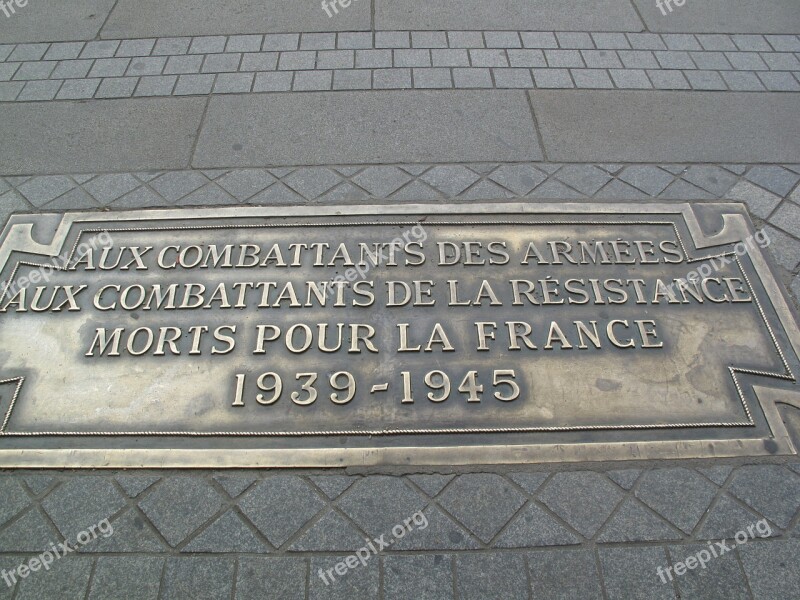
228 533
312 182
13 499
179 506
281 505
442 533
586 179
81 502
133 532
173 186
259 185
519 179
534 526
431 484
450 180
32 531
333 486
416 190
234 485
378 503
108 188
772 490
43 189
381 181
726 518
678 494
243 184
713 179
633 522
649 178
583 499
332 532
482 502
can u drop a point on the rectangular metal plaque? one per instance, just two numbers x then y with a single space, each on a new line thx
391 335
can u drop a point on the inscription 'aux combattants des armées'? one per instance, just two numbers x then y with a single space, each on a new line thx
359 288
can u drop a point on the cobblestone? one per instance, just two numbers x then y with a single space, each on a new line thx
624 61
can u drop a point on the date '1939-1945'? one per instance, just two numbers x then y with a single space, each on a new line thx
341 387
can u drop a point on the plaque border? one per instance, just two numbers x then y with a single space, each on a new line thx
18 237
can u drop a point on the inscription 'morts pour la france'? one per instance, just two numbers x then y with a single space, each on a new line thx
424 329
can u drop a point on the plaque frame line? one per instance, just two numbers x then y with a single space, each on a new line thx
433 431
775 441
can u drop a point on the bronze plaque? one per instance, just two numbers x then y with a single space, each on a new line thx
413 334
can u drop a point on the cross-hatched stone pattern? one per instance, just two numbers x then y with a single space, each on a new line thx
770 192
115 68
178 534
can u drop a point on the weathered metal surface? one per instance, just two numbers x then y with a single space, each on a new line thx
391 335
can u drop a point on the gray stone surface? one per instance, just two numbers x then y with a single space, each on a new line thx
66 578
199 578
134 577
280 506
774 178
132 533
772 490
727 518
49 20
568 15
787 217
484 503
625 478
147 18
721 577
534 527
743 16
772 569
259 578
351 128
82 502
630 573
760 202
421 576
667 126
234 485
587 505
310 68
396 499
179 506
229 533
30 532
363 581
102 136
784 248
491 576
442 533
564 574
332 532
632 522
680 495
12 498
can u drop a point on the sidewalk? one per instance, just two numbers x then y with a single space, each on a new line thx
123 104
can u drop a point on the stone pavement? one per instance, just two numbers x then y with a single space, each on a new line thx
117 104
